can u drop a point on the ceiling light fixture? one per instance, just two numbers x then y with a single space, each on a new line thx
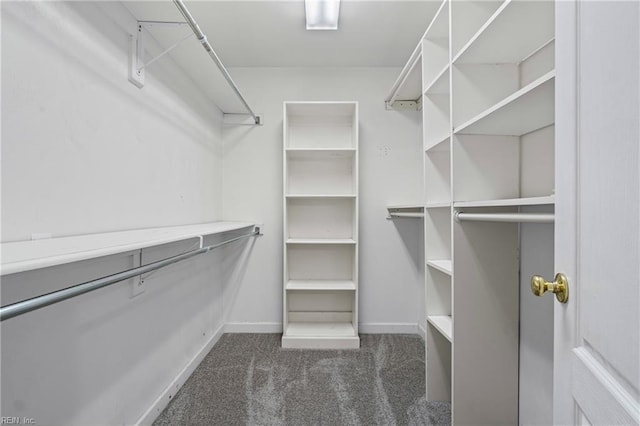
322 14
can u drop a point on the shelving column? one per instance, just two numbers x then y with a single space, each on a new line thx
320 291
438 203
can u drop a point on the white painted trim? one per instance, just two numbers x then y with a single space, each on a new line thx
600 396
253 327
176 384
422 332
388 328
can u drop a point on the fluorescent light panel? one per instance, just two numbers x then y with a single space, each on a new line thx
322 14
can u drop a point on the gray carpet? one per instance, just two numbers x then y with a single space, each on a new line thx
247 379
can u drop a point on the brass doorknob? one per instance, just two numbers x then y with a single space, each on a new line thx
560 286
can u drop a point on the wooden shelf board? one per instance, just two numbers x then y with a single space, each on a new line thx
406 207
441 144
321 241
320 196
339 285
526 110
411 86
443 324
439 85
29 255
320 329
444 266
528 201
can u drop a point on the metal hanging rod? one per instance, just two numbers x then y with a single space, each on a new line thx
506 217
202 38
19 308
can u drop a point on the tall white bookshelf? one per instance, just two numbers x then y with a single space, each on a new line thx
320 291
488 139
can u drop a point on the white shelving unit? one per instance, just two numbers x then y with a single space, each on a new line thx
320 291
488 138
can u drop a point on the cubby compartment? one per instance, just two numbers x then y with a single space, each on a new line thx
435 46
437 118
321 218
319 125
437 174
438 364
315 319
438 303
320 172
320 261
491 168
515 31
438 234
467 17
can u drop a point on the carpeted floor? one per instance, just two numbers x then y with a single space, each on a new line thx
248 379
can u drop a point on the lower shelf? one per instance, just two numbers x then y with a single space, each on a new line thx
443 324
320 335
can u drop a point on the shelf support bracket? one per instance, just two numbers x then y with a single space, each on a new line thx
404 105
136 50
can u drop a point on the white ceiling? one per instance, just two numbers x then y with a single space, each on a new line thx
271 33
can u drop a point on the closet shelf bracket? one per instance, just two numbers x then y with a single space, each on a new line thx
136 55
136 49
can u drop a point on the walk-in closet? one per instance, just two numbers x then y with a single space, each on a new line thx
301 212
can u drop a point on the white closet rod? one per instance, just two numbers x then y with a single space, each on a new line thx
202 38
506 217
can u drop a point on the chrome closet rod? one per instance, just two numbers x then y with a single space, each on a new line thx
19 308
202 38
506 217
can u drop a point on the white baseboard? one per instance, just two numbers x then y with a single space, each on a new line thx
253 327
422 332
165 397
388 328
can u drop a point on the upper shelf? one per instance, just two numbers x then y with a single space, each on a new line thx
526 110
500 39
29 255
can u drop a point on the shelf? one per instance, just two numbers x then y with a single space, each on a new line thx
320 329
444 204
528 109
529 201
320 152
339 285
408 86
321 241
292 196
29 255
500 40
439 85
443 324
444 266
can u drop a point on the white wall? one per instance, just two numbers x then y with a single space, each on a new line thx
84 150
391 272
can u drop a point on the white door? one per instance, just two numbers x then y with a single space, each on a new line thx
597 333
